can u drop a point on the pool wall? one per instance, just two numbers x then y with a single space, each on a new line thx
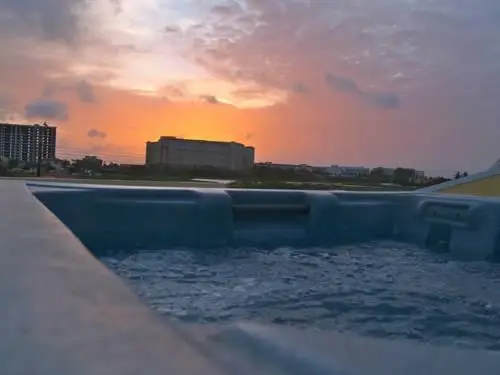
108 219
64 312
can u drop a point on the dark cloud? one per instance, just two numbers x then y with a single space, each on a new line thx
176 91
342 84
230 8
85 92
49 90
171 29
52 20
48 19
94 133
46 109
382 100
299 87
223 10
117 5
210 99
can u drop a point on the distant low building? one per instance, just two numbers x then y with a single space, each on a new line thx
346 171
387 172
400 175
419 177
191 153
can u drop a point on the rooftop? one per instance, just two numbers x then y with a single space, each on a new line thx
27 125
197 141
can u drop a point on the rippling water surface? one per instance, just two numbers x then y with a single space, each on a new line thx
378 289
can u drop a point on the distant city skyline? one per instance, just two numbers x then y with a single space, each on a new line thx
66 153
371 83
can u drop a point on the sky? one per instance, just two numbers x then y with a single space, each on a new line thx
412 83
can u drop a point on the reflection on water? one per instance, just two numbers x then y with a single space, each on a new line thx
379 289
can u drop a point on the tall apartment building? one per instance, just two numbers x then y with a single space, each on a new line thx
26 142
178 152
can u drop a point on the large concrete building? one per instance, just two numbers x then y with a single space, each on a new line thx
27 142
189 153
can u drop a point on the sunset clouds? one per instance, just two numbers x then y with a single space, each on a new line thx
406 82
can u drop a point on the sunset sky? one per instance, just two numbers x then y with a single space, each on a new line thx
353 82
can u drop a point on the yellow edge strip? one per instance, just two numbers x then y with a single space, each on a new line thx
485 187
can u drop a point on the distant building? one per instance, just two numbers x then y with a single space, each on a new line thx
419 177
387 172
191 153
344 171
27 142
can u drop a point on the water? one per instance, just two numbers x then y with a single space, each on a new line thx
380 289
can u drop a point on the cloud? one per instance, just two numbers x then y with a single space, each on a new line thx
4 101
383 100
94 133
45 109
49 19
117 6
8 110
230 8
49 90
59 42
342 84
299 88
210 99
171 29
174 91
85 92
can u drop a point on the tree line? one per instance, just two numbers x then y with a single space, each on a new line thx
96 167
260 172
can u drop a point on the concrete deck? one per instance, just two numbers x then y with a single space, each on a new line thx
63 312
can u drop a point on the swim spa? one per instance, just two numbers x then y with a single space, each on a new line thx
68 313
108 219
